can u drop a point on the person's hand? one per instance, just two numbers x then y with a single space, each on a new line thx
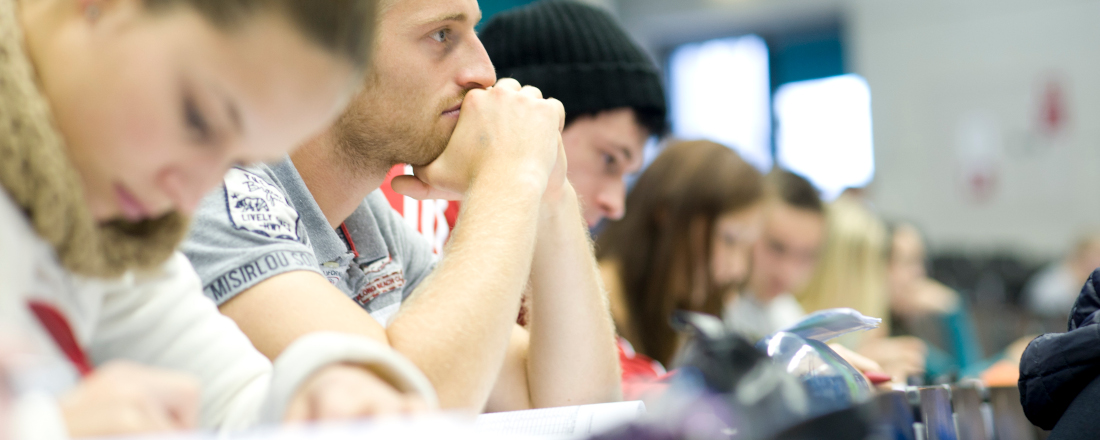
900 357
862 363
341 391
556 186
506 131
122 398
869 368
925 297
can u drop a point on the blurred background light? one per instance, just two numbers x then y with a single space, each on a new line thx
823 131
720 91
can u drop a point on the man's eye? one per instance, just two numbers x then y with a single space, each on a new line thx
441 35
197 127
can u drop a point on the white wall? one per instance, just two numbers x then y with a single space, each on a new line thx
943 72
957 87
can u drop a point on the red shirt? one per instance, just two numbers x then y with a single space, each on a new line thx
434 219
642 376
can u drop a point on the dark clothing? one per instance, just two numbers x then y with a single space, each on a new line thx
1056 367
1079 421
578 54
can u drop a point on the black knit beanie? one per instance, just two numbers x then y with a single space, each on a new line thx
579 55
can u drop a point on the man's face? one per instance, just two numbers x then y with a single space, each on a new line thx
427 56
601 151
786 254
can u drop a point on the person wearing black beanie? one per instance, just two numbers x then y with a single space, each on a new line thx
611 89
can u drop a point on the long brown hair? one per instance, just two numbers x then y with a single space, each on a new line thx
657 244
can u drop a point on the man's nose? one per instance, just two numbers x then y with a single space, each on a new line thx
477 70
612 200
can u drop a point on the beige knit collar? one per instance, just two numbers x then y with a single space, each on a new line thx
35 170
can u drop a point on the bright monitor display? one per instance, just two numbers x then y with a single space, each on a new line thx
720 91
823 132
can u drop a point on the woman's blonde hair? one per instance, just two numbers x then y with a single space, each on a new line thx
852 271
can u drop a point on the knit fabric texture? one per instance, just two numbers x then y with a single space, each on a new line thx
575 53
36 172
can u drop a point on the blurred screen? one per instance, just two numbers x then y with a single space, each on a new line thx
720 91
823 132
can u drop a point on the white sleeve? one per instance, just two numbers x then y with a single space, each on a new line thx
37 416
163 320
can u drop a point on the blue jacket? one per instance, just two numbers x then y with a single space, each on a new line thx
1057 366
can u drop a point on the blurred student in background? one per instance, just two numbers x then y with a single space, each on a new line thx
853 273
923 307
783 259
117 117
1051 292
912 293
684 243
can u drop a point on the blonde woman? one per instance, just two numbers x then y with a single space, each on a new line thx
852 273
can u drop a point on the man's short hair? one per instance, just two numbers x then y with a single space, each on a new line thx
794 190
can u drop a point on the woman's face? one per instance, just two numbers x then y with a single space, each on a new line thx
906 260
154 108
735 233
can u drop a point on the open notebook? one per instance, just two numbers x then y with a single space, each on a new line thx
568 421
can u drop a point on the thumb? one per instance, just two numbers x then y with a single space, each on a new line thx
410 186
413 187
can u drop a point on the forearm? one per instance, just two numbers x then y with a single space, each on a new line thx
278 311
458 323
572 357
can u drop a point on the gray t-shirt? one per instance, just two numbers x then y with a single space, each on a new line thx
264 222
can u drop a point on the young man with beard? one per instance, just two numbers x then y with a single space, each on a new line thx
612 93
310 244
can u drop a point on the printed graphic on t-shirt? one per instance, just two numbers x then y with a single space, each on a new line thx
248 273
333 272
259 207
382 277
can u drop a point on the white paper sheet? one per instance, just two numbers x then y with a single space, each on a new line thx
568 422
